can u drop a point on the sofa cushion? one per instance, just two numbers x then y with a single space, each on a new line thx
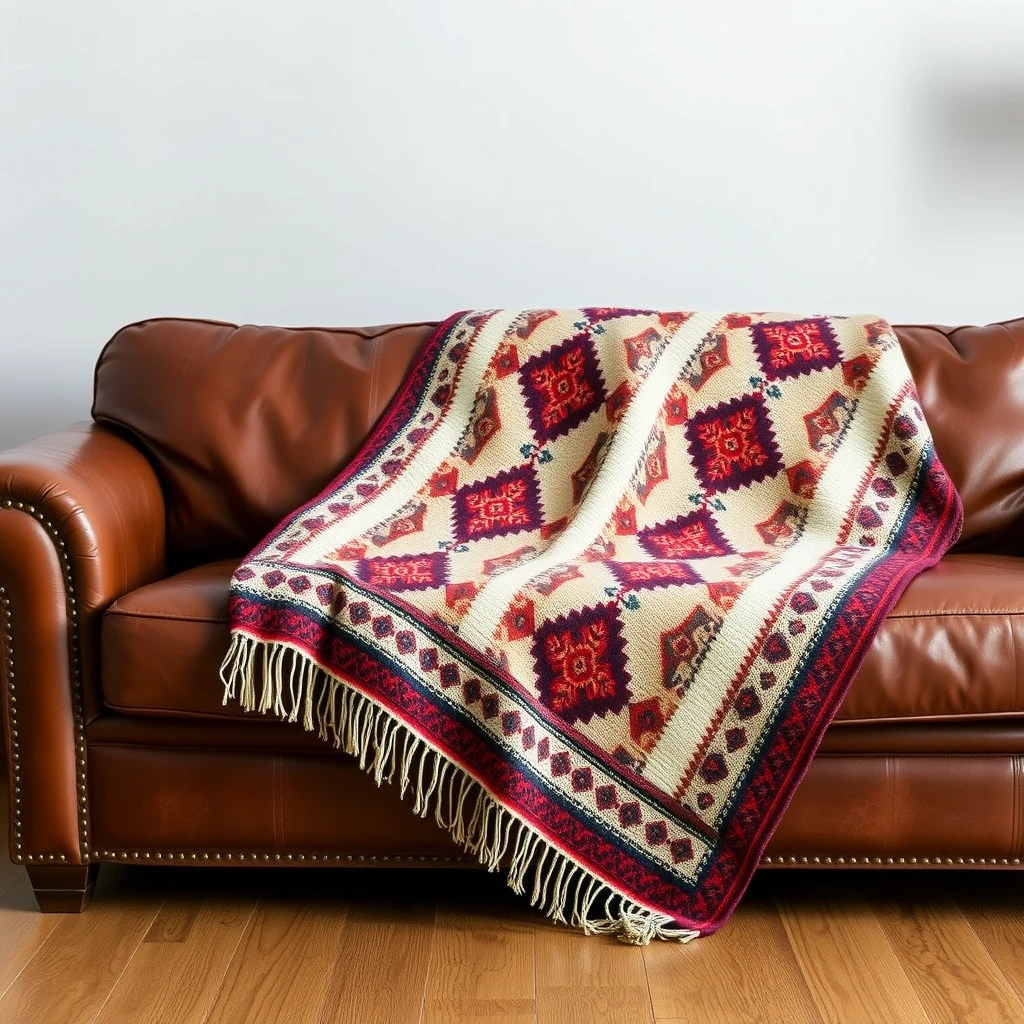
949 650
244 424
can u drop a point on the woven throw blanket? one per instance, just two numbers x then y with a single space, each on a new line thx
595 586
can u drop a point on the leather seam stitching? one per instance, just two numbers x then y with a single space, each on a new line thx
118 613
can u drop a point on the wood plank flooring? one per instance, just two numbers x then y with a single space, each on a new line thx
259 946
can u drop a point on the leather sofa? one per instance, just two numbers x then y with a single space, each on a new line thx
118 538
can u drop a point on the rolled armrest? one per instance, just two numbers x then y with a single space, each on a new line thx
81 523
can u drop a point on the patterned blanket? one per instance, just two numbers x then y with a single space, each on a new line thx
595 586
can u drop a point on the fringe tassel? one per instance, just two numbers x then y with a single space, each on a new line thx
291 684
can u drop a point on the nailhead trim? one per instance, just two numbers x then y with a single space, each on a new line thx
76 696
944 861
12 718
373 858
290 858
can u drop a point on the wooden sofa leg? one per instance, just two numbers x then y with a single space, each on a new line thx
62 888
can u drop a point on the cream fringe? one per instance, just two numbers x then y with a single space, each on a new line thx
294 686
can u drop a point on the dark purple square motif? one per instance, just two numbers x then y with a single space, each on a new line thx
792 347
562 387
733 444
580 659
507 502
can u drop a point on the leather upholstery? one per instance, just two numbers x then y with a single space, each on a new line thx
211 432
244 424
971 383
950 649
214 799
81 521
227 413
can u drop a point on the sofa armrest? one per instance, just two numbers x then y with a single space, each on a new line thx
81 523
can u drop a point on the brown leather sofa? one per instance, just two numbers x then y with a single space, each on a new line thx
117 540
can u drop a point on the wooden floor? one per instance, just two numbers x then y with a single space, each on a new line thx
244 946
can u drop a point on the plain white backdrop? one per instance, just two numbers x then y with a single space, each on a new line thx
342 163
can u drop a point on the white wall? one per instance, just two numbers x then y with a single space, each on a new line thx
341 162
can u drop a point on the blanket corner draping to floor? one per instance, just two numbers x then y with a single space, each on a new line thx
595 586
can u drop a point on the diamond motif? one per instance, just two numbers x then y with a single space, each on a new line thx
642 347
562 387
648 575
580 660
500 563
653 468
685 647
485 423
519 619
691 536
733 444
827 424
459 596
784 526
793 347
711 356
714 768
402 526
404 572
583 476
646 720
776 649
507 502
681 849
444 481
629 814
675 406
547 583
529 320
656 833
803 479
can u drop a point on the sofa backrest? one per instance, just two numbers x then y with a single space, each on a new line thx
243 424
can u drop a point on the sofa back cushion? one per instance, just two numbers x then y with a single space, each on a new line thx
244 424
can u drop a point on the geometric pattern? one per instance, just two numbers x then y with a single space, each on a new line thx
784 526
684 648
648 575
827 424
653 467
582 477
581 663
550 570
710 357
696 535
732 444
562 387
486 422
404 572
793 347
505 503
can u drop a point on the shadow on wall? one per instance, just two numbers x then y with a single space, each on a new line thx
970 120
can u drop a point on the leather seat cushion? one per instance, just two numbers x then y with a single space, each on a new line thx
949 650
